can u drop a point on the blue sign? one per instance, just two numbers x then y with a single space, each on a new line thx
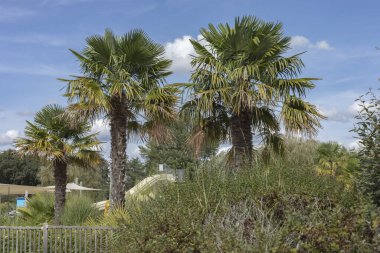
20 202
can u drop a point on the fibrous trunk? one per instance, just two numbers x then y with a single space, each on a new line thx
241 135
60 177
118 124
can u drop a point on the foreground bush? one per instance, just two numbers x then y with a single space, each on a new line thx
278 207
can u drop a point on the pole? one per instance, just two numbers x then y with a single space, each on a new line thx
45 238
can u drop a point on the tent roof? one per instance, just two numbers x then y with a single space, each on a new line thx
75 187
6 189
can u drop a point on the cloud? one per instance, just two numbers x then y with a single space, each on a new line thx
40 39
137 11
341 115
323 45
179 52
346 79
26 113
133 151
300 41
354 145
101 127
303 42
8 137
36 69
8 13
64 2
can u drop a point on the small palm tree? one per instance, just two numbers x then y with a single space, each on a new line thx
54 137
243 86
336 161
123 81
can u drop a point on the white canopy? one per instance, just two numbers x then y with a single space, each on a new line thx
9 189
74 187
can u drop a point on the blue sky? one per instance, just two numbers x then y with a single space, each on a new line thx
339 36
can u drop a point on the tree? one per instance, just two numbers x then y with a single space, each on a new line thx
135 173
53 136
15 169
176 153
367 131
94 177
243 87
123 80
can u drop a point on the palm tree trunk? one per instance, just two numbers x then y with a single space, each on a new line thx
241 135
118 124
60 177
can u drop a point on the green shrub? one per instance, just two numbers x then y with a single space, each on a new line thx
78 210
39 210
282 206
367 129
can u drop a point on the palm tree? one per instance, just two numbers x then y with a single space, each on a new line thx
243 87
336 161
123 81
53 137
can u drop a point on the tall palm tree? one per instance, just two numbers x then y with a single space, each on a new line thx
52 136
123 81
244 87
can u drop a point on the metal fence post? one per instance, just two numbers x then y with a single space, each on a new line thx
45 238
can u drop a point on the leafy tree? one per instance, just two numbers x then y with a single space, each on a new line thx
95 177
367 130
16 169
244 87
122 80
53 136
176 153
135 173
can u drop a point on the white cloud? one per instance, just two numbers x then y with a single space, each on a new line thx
33 69
40 39
300 41
323 45
303 42
354 145
357 106
341 114
133 151
63 2
102 128
354 108
26 113
8 137
338 115
12 13
179 52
